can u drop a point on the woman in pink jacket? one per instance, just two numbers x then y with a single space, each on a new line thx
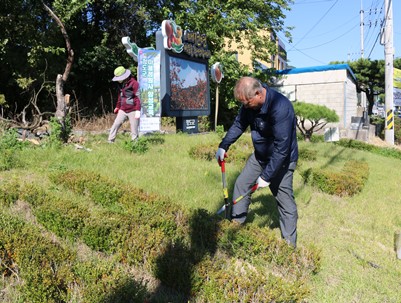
128 103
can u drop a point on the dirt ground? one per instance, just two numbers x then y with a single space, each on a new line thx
382 143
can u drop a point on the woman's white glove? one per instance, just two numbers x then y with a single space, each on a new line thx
262 183
220 154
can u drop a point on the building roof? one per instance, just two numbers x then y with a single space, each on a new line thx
320 68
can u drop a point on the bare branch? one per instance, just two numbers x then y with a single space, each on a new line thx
70 52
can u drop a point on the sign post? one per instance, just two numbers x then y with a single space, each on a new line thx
217 75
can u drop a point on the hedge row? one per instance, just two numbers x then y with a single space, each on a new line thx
196 254
347 182
48 271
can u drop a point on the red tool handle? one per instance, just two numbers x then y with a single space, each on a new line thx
253 188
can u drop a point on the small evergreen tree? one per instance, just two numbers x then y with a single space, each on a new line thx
313 117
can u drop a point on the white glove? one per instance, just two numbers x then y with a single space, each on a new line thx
220 154
262 183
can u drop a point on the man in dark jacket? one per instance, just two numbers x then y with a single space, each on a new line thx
272 121
128 103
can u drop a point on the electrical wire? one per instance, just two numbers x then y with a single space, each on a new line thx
314 26
342 35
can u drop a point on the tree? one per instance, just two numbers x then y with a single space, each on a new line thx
370 77
313 117
239 21
62 103
32 51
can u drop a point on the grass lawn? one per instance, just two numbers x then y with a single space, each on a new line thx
355 234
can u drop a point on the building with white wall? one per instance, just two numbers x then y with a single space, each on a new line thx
334 86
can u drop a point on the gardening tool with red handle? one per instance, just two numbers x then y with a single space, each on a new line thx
222 164
225 207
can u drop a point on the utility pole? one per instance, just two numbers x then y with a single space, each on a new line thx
388 75
362 35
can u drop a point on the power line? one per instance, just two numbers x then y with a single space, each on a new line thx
285 40
342 35
313 27
334 29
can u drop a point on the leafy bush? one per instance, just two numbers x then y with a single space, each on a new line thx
203 152
53 273
9 192
103 191
102 281
60 131
220 131
9 147
141 145
63 217
306 154
44 266
238 152
105 231
347 182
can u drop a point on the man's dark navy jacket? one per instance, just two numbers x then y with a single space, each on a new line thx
273 130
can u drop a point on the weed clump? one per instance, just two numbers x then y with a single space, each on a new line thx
9 149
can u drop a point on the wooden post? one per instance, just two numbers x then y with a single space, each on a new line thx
217 107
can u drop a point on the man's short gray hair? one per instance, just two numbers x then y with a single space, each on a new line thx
246 87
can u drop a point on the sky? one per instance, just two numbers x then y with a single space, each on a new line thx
329 30
191 72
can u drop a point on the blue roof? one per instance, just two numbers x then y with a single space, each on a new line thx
320 68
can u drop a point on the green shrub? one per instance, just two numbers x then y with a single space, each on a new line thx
43 266
203 152
220 131
102 281
347 182
105 231
9 192
238 153
60 131
383 151
234 280
194 253
315 138
34 195
103 191
138 146
63 217
142 144
9 149
52 273
307 154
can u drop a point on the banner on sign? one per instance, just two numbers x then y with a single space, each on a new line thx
397 86
149 87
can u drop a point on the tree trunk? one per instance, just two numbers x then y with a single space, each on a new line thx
61 108
61 79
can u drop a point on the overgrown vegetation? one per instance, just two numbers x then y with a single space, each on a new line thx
184 250
72 230
60 130
9 148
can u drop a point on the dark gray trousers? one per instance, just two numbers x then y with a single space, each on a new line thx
280 187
